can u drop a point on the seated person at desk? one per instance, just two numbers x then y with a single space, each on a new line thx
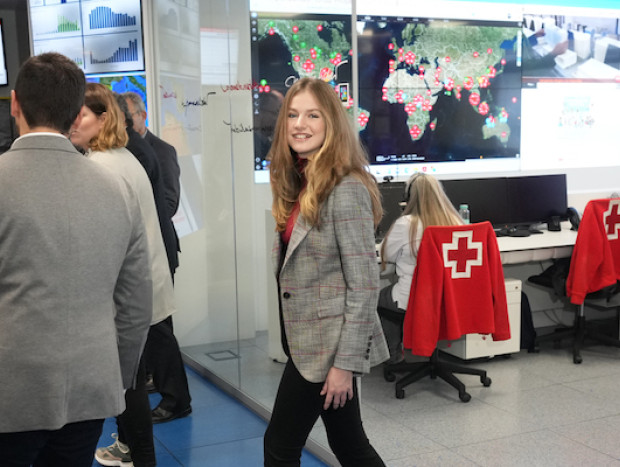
427 204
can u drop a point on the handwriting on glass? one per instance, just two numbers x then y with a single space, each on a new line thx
200 102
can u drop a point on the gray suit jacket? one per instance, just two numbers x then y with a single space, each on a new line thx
75 287
329 287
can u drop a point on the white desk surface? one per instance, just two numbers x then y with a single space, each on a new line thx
538 247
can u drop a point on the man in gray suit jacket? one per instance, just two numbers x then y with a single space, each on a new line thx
75 285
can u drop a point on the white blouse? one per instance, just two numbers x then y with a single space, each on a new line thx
398 251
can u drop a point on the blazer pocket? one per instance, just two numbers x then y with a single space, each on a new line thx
331 307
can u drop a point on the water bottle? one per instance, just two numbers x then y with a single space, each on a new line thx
464 213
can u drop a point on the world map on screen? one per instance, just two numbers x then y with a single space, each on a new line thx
287 49
438 90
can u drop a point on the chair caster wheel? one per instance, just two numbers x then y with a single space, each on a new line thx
465 397
388 375
486 381
400 394
577 359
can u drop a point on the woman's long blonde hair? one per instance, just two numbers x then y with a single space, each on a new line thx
100 99
340 155
427 204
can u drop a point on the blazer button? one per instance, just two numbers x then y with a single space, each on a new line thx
286 295
367 357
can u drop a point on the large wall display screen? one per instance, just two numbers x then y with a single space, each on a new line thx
450 87
101 36
571 88
286 48
438 90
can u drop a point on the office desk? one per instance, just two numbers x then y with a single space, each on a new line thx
538 247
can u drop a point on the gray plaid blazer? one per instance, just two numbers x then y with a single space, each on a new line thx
329 287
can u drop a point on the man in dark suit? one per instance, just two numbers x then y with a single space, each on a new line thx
162 355
166 154
75 281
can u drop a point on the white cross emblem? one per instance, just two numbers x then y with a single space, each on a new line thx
613 226
462 254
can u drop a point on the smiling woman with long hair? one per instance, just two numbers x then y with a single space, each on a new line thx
326 206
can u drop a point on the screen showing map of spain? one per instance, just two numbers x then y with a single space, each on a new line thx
438 90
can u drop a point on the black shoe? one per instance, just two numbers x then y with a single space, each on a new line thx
162 415
150 386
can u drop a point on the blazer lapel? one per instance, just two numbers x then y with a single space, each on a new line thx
300 230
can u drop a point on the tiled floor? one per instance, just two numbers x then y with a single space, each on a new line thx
220 432
540 410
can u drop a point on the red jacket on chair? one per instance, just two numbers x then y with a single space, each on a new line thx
595 262
457 288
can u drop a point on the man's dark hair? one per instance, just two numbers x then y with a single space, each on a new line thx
50 90
122 103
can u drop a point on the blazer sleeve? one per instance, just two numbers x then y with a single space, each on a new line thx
133 297
354 229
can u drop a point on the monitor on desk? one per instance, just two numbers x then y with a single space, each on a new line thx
511 201
392 194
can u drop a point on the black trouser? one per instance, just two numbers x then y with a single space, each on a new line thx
297 407
135 426
72 445
163 358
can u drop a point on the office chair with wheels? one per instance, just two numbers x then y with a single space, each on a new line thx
457 288
593 274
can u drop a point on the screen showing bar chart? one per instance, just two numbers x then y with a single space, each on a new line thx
101 36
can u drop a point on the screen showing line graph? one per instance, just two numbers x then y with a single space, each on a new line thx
101 36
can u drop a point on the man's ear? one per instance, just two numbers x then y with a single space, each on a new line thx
16 109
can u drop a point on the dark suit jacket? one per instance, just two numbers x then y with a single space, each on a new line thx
170 170
75 287
148 159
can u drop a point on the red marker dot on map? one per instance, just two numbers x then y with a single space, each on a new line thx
319 27
483 108
448 59
476 54
489 50
295 29
514 100
468 83
296 58
271 31
474 98
390 46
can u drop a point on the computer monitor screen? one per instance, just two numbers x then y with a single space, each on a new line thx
100 36
535 199
514 201
392 194
486 198
4 79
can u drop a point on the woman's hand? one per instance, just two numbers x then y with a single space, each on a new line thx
338 388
